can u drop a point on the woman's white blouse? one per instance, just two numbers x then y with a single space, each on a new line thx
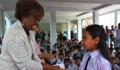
18 50
96 62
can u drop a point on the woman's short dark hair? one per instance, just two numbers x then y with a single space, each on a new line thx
27 7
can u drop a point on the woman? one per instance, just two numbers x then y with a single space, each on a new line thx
18 52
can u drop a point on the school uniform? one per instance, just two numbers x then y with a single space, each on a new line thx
73 63
71 58
45 51
53 60
81 53
60 62
55 49
75 67
112 54
76 51
115 53
116 67
58 53
72 53
0 46
69 68
95 61
117 60
67 49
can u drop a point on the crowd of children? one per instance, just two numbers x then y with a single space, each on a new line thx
71 53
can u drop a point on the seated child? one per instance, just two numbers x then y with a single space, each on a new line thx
111 52
49 51
45 49
116 67
116 51
118 58
72 52
54 60
55 47
59 48
111 45
77 63
69 56
61 60
67 64
73 62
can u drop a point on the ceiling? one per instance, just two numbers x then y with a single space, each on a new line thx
65 9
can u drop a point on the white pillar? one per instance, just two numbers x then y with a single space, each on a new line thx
52 28
96 17
68 30
8 22
2 24
79 29
116 19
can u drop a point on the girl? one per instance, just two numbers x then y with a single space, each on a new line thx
98 56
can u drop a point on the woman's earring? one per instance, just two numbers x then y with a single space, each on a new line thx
22 23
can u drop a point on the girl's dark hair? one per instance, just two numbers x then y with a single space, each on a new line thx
98 31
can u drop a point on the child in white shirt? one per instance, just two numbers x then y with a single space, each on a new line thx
61 60
77 63
67 64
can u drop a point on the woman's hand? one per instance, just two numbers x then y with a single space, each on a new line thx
49 56
62 69
55 68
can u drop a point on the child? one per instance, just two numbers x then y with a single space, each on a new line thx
111 45
59 48
116 67
98 56
69 56
67 64
55 47
45 49
49 51
75 49
77 63
61 51
111 52
61 60
68 48
62 47
72 52
81 52
73 62
118 58
116 51
54 60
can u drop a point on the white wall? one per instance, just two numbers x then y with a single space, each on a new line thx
59 27
8 22
2 26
